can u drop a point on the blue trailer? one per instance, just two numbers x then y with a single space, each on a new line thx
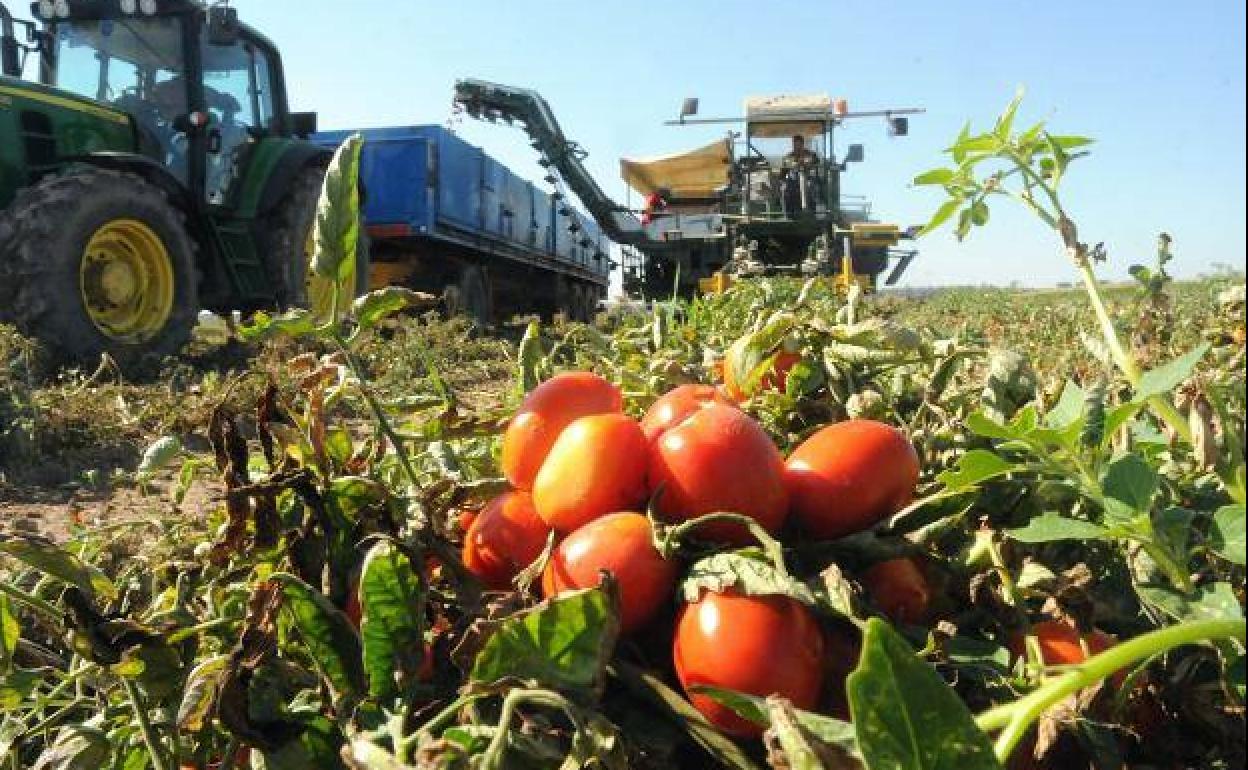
446 218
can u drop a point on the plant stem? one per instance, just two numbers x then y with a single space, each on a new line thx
492 758
1126 362
773 548
150 738
1031 643
379 414
1015 719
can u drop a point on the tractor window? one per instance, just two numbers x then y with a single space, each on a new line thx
136 64
238 91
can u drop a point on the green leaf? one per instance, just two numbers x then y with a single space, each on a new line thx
752 355
57 563
1071 142
1005 123
158 454
938 176
905 716
338 214
77 747
293 323
1069 408
1130 484
747 571
529 358
10 632
563 643
942 215
1050 527
328 634
376 306
755 709
974 468
649 686
200 694
957 150
982 425
1211 602
1227 536
979 213
392 600
318 746
1166 378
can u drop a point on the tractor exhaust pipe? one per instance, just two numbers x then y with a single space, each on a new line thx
10 49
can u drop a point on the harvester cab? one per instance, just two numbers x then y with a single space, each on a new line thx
153 168
768 198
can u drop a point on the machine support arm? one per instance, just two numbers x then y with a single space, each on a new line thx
492 101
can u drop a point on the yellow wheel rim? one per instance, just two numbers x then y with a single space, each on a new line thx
126 281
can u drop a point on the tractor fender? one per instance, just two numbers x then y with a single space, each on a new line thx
295 158
148 169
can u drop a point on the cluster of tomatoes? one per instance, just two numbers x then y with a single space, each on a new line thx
583 469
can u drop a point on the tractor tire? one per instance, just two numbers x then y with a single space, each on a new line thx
286 240
288 247
95 262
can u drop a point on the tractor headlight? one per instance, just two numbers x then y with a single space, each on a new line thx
62 9
129 6
148 6
47 9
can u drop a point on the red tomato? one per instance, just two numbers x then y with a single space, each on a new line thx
777 378
1061 644
720 460
899 589
678 404
550 408
760 645
598 466
848 477
622 544
504 539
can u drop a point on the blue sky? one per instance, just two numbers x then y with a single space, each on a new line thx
1159 84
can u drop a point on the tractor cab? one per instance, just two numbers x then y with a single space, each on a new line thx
202 88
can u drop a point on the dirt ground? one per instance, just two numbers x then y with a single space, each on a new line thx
55 512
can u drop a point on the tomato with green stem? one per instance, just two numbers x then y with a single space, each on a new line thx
759 645
719 460
622 544
543 416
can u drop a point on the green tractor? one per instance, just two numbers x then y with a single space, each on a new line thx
152 169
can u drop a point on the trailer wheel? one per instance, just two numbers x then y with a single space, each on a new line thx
99 261
472 298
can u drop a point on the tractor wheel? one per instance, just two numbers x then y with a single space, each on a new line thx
99 262
289 245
